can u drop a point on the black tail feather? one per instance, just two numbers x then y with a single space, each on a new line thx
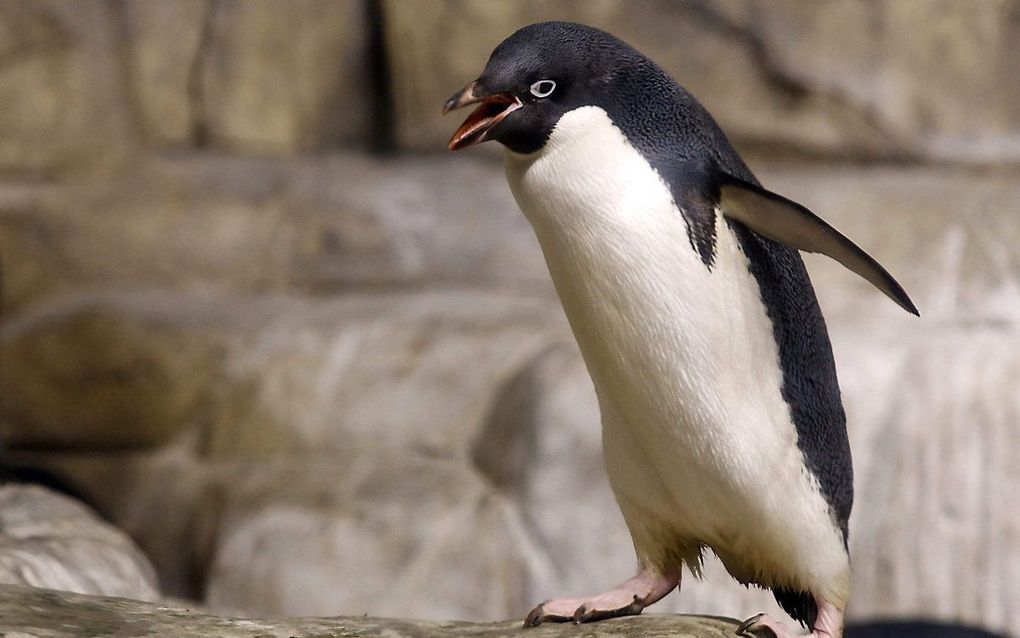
800 605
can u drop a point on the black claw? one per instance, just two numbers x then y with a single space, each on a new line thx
746 625
535 617
584 613
748 629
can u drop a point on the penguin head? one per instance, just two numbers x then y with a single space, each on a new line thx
535 76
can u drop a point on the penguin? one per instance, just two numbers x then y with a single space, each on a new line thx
722 423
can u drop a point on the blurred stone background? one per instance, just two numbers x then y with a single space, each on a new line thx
312 364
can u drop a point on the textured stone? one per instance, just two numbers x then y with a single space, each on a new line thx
847 78
932 416
92 377
277 77
386 534
49 540
936 75
165 41
227 224
61 104
264 376
50 614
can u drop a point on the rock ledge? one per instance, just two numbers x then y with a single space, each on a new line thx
26 611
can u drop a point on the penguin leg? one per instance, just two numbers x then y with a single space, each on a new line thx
648 586
828 624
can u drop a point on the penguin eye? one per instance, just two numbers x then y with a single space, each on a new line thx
543 88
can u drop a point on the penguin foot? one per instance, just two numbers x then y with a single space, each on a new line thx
628 599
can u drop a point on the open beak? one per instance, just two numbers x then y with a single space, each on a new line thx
494 108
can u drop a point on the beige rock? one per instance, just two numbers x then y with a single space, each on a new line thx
49 540
62 103
33 612
165 41
93 377
278 77
264 376
876 79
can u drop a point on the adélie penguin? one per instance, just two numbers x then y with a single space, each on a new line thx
722 422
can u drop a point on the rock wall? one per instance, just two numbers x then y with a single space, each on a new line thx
927 80
308 378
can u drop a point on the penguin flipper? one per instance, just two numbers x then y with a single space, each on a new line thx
785 221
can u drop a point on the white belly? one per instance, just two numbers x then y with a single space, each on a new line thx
699 443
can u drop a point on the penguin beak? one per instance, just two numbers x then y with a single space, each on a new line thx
493 110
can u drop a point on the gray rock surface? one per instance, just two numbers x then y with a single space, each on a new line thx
315 225
921 72
52 541
50 614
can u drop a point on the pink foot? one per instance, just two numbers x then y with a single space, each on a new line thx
829 624
628 599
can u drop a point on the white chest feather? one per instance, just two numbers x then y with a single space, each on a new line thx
698 439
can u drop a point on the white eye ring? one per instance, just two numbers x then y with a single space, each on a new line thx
543 88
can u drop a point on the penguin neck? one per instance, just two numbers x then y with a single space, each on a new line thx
616 247
584 180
